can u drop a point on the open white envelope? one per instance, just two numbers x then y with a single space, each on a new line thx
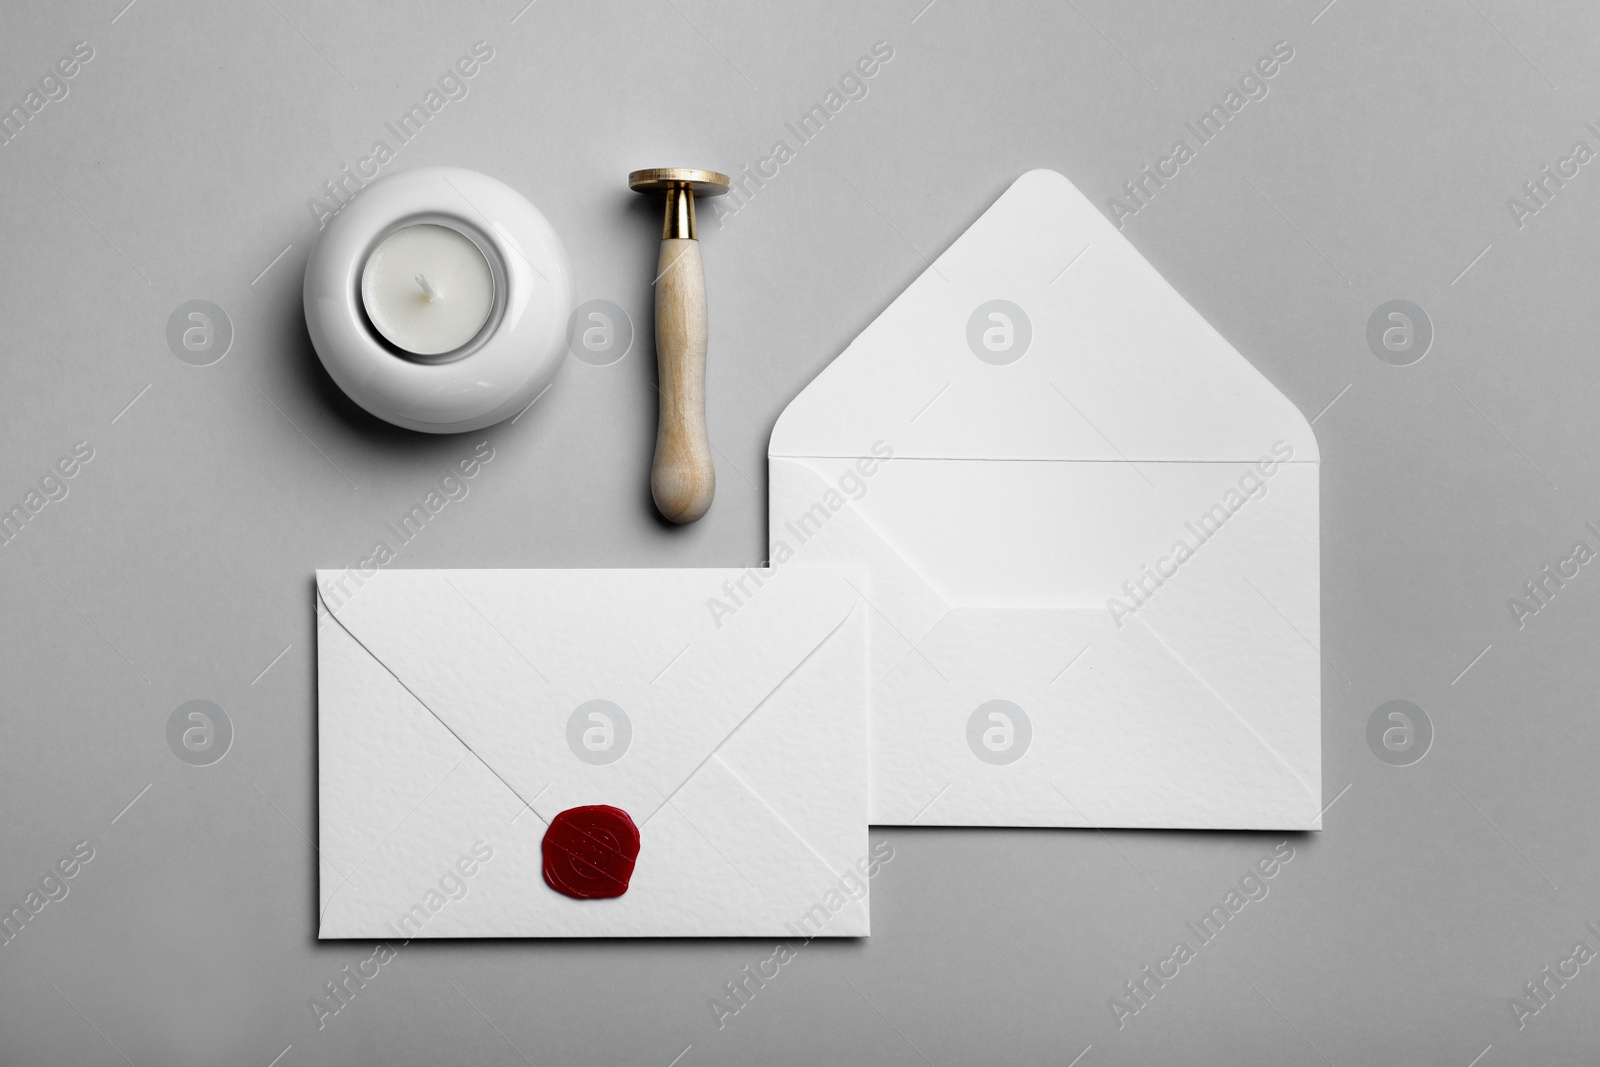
455 719
1093 563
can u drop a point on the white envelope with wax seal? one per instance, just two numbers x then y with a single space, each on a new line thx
463 715
1090 528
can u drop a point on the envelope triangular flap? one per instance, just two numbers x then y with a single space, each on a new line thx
1106 345
503 657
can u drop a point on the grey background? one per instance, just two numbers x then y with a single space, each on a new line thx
178 568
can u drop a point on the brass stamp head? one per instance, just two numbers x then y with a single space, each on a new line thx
680 185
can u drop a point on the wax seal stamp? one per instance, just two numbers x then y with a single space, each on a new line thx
682 479
589 852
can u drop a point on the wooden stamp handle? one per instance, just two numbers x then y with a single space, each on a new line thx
682 479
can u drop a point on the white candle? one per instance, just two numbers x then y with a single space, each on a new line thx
493 336
427 289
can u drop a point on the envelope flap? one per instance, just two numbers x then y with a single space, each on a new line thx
674 661
1041 333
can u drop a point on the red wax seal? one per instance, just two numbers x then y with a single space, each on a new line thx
589 852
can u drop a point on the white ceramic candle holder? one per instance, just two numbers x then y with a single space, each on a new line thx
512 358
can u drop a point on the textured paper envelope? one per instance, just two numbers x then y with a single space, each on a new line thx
460 711
1091 533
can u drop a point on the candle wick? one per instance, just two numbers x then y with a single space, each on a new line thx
427 290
